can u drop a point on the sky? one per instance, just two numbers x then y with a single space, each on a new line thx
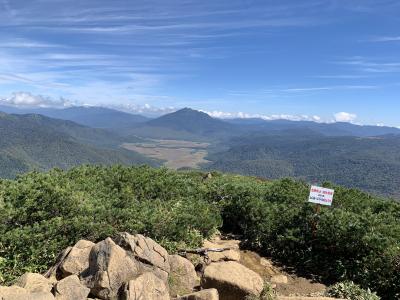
322 60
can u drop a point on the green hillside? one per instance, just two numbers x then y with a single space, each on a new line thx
358 238
34 142
368 163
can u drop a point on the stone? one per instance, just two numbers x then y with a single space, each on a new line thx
109 268
227 255
77 259
71 288
183 277
7 291
209 294
279 279
34 282
19 293
146 287
144 249
232 280
54 273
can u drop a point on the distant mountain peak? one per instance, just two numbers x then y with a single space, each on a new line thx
190 120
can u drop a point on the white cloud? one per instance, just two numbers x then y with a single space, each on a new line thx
386 39
242 115
345 117
145 109
23 99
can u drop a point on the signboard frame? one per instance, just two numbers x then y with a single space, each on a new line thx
320 195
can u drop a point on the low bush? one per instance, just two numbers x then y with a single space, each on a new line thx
356 239
351 291
42 213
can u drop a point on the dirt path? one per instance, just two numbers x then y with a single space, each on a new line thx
285 284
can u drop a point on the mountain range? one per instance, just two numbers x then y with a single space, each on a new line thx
352 155
35 142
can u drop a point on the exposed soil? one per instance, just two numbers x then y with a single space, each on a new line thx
266 268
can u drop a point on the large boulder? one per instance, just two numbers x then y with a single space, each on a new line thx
150 256
182 277
77 259
146 287
209 294
34 282
144 249
232 280
19 293
109 268
71 288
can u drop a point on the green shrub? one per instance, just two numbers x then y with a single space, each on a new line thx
351 291
357 239
43 213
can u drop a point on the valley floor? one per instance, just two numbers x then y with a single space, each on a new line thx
176 153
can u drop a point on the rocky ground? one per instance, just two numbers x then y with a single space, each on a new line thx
133 267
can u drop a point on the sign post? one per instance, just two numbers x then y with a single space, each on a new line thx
319 196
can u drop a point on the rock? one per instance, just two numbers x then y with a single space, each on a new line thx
228 255
183 277
77 259
109 268
232 280
33 282
144 249
8 291
71 288
54 273
146 287
150 256
209 294
18 293
279 279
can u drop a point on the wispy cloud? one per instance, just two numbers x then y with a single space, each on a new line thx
371 65
243 115
330 88
385 39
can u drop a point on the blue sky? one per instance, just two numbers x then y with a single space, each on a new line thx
312 59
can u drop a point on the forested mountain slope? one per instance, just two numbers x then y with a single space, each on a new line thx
369 163
92 116
37 142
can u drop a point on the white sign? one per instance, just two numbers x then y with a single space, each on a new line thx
320 195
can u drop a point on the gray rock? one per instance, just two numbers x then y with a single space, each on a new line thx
183 277
77 259
109 268
146 287
209 294
70 288
18 293
232 280
34 282
144 249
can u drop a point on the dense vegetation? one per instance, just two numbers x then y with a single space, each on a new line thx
364 157
357 239
368 163
35 142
